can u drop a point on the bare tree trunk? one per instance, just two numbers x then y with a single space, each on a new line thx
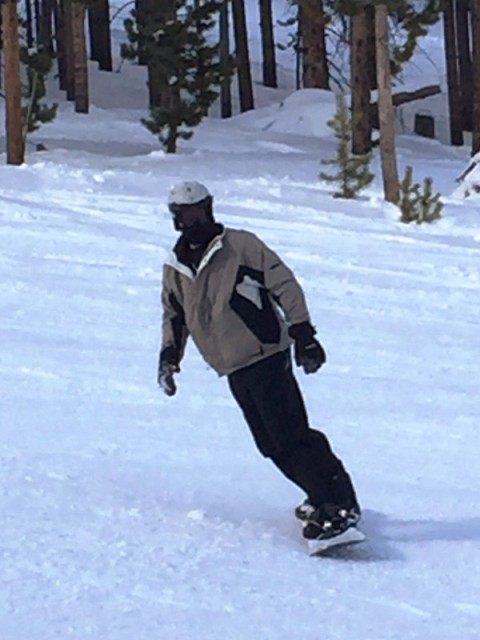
45 27
362 128
2 66
100 36
268 44
244 72
298 50
385 106
313 44
80 61
225 88
65 37
371 54
60 28
29 23
462 12
454 99
169 102
476 76
13 92
37 12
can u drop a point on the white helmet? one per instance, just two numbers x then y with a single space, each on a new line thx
189 192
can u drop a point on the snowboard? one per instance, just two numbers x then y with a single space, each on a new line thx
350 536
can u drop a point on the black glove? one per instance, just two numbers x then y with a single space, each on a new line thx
166 368
308 352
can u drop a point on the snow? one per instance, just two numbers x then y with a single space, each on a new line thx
127 514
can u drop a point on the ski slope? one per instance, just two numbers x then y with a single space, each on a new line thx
129 515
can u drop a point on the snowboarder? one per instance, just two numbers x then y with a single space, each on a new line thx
224 287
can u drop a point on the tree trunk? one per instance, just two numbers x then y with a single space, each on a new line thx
100 36
298 50
268 44
476 76
385 106
454 98
360 82
37 13
169 102
13 92
313 44
58 27
80 61
141 10
65 48
465 61
29 23
371 55
225 87
45 27
244 73
1 51
61 51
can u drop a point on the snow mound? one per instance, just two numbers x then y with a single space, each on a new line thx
303 113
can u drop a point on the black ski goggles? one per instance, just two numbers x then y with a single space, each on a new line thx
186 215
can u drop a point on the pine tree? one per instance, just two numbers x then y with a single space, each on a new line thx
414 20
35 111
189 69
354 173
409 22
418 205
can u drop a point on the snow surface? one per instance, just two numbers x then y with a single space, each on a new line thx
127 515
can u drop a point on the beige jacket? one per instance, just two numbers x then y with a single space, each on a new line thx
238 305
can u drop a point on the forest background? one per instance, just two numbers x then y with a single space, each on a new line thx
193 50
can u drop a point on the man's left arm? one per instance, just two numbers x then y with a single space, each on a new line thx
287 292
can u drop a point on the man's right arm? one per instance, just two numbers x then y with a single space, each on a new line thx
174 332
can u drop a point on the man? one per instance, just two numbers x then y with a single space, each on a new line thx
243 308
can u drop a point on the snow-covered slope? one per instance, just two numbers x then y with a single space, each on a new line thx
126 514
130 516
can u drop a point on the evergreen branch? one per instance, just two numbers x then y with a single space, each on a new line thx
120 9
28 115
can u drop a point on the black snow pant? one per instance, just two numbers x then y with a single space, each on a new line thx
271 401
